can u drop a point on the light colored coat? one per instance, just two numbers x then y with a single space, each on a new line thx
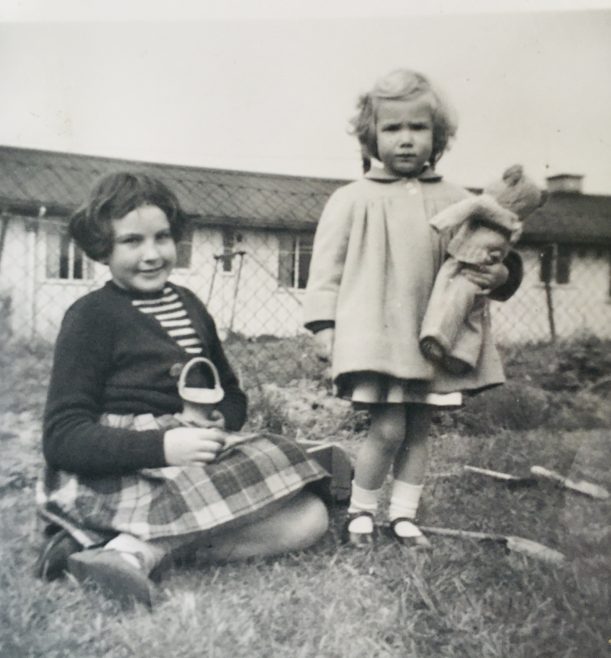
374 262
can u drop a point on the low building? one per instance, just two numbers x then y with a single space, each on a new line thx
566 249
246 253
248 249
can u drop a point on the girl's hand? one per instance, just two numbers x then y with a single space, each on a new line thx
200 415
323 344
487 277
188 446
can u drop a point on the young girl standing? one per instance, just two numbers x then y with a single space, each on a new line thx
374 262
124 478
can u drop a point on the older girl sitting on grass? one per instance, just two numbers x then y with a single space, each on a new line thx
125 480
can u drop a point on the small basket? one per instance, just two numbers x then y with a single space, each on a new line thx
200 394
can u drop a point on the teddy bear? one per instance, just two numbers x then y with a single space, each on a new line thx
481 230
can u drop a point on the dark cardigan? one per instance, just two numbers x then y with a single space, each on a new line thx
111 358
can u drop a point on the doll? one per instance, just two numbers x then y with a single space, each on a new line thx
481 230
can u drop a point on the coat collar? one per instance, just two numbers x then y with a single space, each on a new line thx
378 173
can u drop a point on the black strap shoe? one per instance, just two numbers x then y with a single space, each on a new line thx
360 539
416 540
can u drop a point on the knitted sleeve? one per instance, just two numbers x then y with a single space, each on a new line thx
513 263
73 439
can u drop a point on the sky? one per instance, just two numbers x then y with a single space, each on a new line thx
270 86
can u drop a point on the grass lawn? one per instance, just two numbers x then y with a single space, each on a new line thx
463 598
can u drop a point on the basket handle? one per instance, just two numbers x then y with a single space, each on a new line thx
196 394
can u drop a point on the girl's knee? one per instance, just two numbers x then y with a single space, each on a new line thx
310 520
388 431
320 517
418 421
317 515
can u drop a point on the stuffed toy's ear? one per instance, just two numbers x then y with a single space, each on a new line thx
513 175
517 192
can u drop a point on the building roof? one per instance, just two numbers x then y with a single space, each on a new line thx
60 181
571 217
32 178
557 176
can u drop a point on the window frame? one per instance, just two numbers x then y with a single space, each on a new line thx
555 261
294 258
228 239
72 264
184 249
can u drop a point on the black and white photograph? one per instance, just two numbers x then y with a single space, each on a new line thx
306 329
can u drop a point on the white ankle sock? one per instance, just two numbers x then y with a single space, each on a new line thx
138 553
404 499
363 500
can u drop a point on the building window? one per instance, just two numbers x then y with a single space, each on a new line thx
294 256
184 247
228 247
555 263
64 259
563 263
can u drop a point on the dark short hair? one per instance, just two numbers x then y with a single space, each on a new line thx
114 196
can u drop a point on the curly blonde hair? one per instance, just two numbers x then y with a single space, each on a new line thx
403 84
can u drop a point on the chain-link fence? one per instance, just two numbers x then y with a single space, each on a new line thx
253 282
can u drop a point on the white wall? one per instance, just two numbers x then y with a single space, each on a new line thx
583 305
254 304
17 251
249 302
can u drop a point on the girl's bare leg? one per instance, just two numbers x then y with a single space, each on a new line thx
386 434
409 470
291 526
411 462
122 567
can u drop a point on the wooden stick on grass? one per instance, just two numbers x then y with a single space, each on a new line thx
516 544
497 475
581 486
538 472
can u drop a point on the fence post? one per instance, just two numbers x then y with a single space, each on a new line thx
5 217
241 255
550 310
31 228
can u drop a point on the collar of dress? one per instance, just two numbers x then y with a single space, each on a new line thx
377 173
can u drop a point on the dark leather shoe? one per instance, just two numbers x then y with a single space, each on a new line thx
53 559
114 575
360 539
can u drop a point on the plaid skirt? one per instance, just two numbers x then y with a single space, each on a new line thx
253 472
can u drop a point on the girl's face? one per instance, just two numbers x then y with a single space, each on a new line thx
144 251
404 134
